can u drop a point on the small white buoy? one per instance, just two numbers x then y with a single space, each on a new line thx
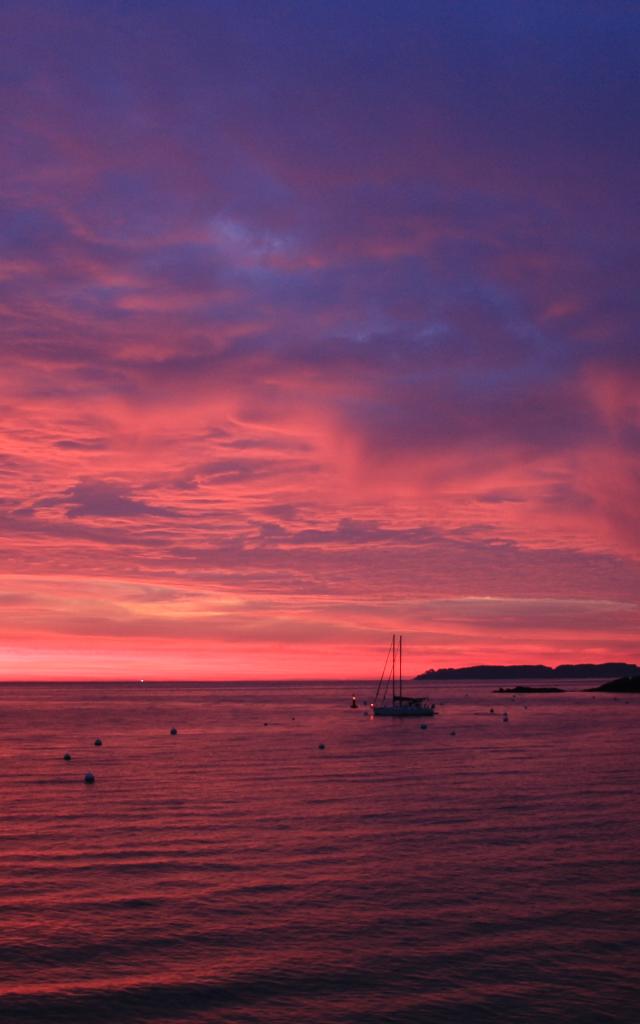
97 743
89 778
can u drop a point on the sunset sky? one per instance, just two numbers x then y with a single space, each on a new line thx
319 321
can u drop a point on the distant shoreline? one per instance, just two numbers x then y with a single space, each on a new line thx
627 684
607 670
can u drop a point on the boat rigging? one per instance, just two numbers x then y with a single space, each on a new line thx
401 706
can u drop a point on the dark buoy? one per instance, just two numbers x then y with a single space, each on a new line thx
453 732
491 711
97 743
89 778
320 746
66 757
174 731
423 726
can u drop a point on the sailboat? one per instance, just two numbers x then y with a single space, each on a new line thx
401 706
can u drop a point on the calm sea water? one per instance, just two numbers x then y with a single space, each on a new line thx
238 873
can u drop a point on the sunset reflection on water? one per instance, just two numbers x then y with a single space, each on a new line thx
237 872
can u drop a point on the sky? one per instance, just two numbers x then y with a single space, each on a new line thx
319 322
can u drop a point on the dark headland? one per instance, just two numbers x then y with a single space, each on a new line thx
628 684
609 669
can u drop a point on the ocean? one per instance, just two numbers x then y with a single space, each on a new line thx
478 870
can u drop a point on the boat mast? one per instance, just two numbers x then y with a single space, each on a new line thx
400 673
385 677
393 667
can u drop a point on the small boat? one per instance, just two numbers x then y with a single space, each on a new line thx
400 706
